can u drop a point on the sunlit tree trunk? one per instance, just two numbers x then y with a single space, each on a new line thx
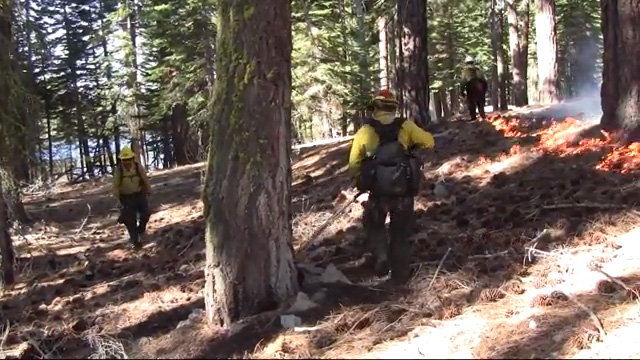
382 53
547 51
518 20
247 197
495 81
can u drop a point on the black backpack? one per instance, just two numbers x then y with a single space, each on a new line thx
391 170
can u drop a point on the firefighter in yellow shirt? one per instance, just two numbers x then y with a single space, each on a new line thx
132 188
474 88
381 163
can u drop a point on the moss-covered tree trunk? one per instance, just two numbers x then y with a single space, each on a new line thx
247 199
413 74
547 51
621 74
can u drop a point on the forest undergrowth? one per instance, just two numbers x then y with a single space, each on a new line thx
528 253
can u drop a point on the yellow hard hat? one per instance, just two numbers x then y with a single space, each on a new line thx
126 153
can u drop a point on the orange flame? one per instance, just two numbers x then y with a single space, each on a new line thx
557 138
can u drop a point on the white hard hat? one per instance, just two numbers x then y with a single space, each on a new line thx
469 59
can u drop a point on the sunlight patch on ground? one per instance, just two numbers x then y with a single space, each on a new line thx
620 343
482 169
460 336
452 339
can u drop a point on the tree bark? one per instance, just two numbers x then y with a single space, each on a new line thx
413 82
247 197
6 107
502 61
518 49
547 51
179 133
7 256
451 63
621 74
495 81
130 24
382 53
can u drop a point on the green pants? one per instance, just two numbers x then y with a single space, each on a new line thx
134 206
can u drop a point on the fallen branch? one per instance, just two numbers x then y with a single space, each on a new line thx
584 205
470 257
592 315
435 275
186 247
444 133
84 222
616 281
488 256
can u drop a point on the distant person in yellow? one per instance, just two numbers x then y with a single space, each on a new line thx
382 163
131 187
474 88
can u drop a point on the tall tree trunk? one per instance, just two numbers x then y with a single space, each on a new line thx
414 72
451 60
621 73
209 56
6 248
7 256
109 152
179 133
167 154
363 59
393 52
502 69
130 24
495 81
518 20
382 52
446 111
547 52
247 187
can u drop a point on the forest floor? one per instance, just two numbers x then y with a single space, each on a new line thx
532 253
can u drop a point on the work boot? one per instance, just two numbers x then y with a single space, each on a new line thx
381 253
382 266
134 244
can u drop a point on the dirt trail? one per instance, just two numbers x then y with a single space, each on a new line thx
507 181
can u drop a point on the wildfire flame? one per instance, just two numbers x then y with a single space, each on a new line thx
558 138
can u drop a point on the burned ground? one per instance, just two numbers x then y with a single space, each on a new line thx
507 180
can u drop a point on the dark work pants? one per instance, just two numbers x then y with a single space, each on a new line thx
134 205
475 98
401 224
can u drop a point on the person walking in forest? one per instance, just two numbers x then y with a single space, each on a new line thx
474 88
382 163
132 188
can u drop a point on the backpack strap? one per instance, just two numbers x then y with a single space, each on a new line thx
387 132
121 169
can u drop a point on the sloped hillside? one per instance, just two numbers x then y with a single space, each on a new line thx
510 261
